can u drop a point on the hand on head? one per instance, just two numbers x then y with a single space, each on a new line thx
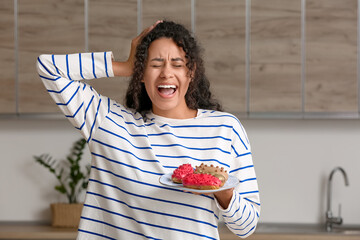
125 69
137 40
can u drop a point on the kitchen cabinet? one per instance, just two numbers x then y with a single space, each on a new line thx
112 26
45 26
178 11
331 56
7 58
275 56
275 83
328 56
220 27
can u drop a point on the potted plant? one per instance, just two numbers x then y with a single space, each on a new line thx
72 181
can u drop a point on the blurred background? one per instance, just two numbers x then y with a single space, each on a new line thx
288 69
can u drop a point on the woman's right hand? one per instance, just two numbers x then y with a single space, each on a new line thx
125 69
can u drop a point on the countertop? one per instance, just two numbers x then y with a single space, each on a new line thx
31 230
264 231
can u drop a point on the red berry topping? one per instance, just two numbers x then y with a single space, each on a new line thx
181 172
201 179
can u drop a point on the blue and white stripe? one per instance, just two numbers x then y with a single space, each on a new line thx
124 198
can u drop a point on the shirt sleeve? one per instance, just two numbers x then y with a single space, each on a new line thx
80 103
243 212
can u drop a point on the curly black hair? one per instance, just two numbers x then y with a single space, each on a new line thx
198 94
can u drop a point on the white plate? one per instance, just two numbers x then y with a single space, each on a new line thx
166 180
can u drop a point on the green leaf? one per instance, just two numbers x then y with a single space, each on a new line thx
61 189
72 180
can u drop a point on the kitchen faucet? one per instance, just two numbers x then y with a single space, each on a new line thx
330 220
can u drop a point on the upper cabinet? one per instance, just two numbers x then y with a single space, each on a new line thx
220 28
7 58
112 25
275 73
331 56
278 57
45 26
175 10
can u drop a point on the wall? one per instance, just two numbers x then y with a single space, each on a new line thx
292 157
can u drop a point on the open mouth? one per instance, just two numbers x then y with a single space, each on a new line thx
167 90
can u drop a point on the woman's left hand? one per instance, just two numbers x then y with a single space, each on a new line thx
223 197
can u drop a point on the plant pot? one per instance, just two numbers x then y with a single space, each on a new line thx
66 214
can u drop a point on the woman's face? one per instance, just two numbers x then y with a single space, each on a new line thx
167 79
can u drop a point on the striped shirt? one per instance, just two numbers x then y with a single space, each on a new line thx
124 199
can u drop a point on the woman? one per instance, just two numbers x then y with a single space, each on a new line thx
170 119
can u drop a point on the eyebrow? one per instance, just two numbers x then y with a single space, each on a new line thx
161 59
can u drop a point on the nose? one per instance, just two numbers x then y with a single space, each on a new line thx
166 72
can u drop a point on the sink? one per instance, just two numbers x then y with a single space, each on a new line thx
346 230
285 228
289 228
